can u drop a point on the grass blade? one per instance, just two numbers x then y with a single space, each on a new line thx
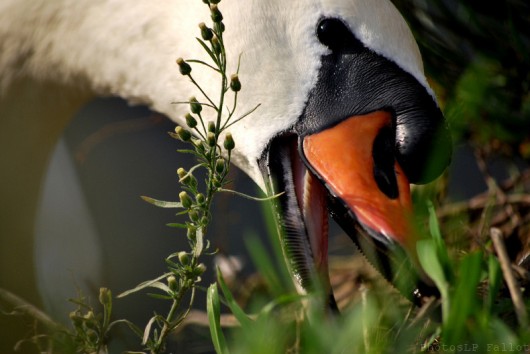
214 319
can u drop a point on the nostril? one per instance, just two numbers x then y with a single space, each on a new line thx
383 153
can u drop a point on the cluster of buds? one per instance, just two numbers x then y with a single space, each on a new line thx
87 328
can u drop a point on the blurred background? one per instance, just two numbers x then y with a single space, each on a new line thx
93 229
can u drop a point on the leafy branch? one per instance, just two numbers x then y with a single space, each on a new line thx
195 199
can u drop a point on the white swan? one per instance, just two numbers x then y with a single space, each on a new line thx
317 67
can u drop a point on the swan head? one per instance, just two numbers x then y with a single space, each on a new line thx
346 122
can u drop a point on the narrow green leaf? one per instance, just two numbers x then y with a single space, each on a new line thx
147 330
199 243
162 203
238 312
428 257
441 248
495 281
429 261
208 50
250 197
281 300
159 296
143 285
177 225
464 300
264 264
214 319
203 63
137 330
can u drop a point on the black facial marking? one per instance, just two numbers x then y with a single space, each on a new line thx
354 80
334 34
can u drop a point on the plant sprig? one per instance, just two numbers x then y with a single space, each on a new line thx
203 137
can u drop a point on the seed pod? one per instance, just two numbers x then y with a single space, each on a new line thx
191 121
185 199
184 68
235 84
182 133
229 143
206 33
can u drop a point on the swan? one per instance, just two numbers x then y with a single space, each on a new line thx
347 119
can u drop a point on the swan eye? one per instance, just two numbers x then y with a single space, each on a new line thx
334 34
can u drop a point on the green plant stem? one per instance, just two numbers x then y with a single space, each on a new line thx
25 307
170 323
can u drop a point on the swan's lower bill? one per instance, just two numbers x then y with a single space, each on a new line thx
348 170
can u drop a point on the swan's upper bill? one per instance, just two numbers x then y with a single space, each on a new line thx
346 120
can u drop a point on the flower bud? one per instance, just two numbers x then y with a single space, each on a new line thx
235 84
93 336
76 319
172 283
184 177
105 296
211 139
194 215
216 15
184 258
192 233
211 127
184 68
206 33
182 133
185 200
201 268
191 121
220 165
195 106
229 143
216 183
200 198
219 27
216 45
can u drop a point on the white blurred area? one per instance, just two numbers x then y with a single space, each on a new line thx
68 256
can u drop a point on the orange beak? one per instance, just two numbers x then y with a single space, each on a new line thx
345 158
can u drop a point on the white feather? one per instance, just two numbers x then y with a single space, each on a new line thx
115 47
